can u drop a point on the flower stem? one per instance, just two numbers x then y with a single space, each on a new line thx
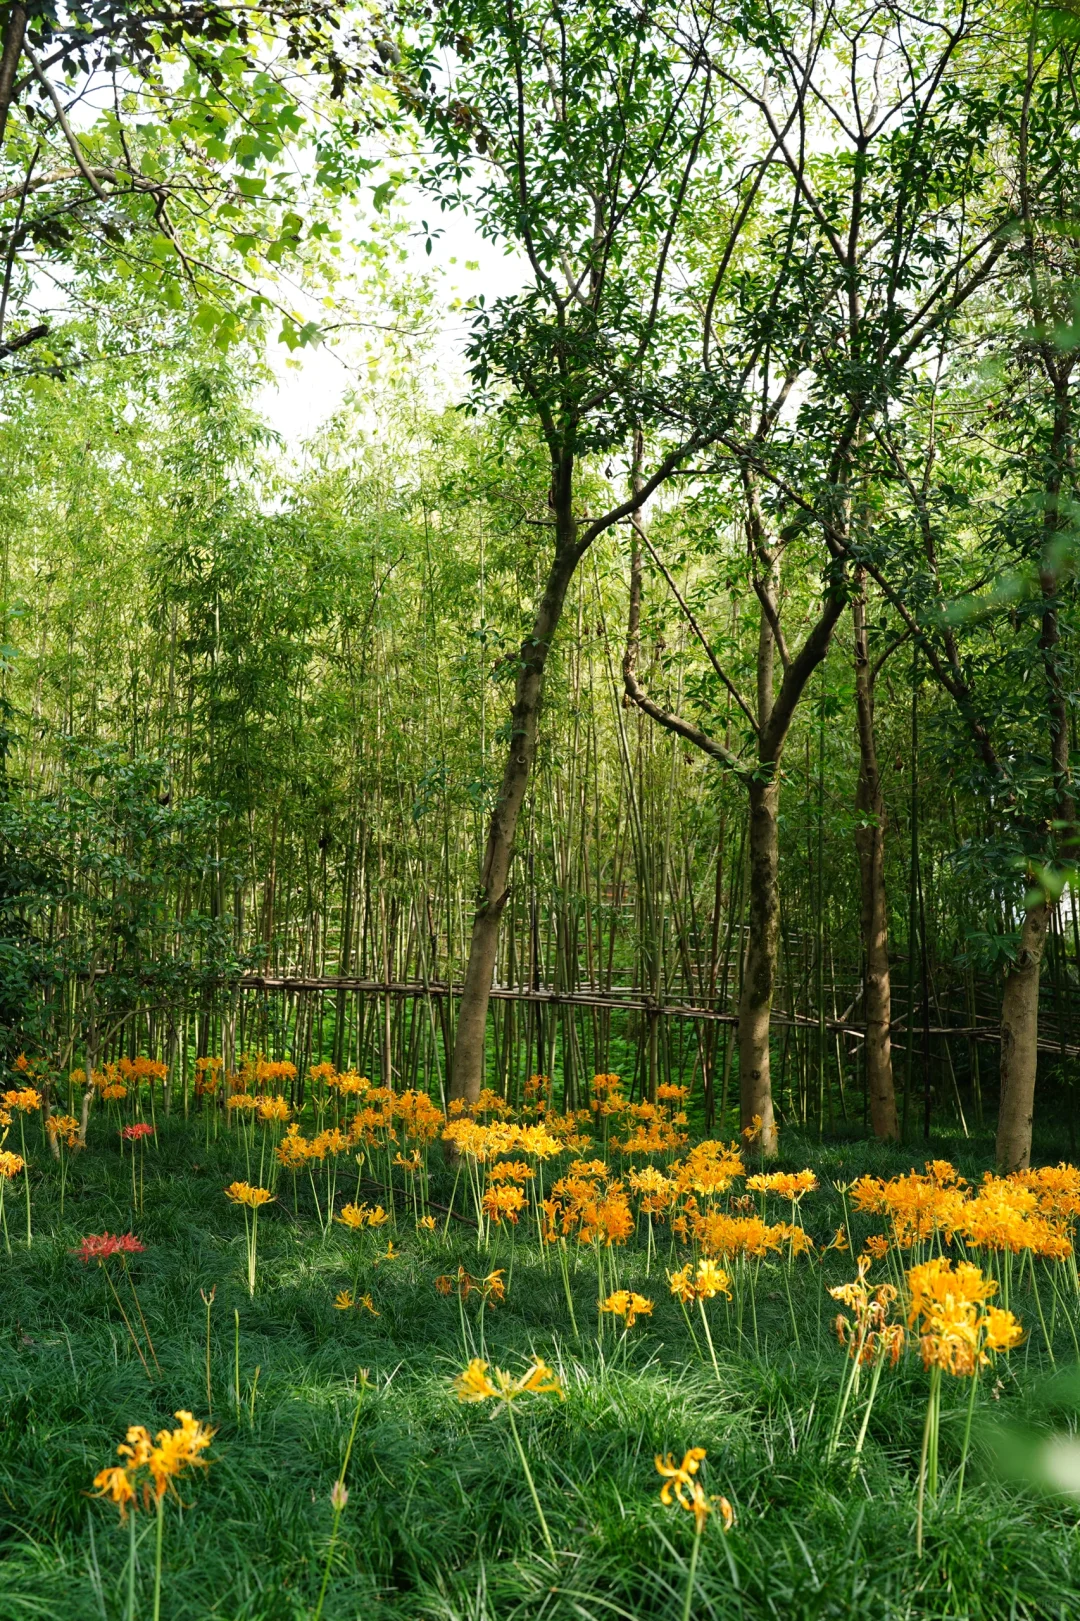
967 1438
127 1323
1039 1308
529 1478
26 1179
878 1365
690 1575
690 1326
708 1336
157 1557
929 1429
131 1566
566 1285
138 1308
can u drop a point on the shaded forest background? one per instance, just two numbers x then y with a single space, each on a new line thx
254 710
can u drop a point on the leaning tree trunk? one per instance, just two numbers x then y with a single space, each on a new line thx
759 968
469 1055
870 847
1019 1042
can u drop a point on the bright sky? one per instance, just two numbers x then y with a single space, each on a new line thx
309 392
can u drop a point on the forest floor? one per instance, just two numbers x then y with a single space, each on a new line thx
440 1523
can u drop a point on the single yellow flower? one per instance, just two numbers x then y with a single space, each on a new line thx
273 1108
680 1487
426 1224
625 1303
677 1476
752 1130
343 1300
63 1125
711 1280
473 1384
493 1288
177 1450
1002 1329
682 1284
114 1484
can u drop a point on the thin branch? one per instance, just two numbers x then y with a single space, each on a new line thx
76 150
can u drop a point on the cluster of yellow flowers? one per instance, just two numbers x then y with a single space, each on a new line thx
786 1184
475 1384
590 1203
504 1202
708 1281
717 1233
956 1327
208 1073
243 1193
947 1305
114 1080
385 1119
295 1150
24 1100
1031 1210
484 1143
358 1216
150 1467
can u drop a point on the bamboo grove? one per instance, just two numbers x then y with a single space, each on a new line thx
698 705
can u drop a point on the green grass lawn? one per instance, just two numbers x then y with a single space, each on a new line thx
439 1522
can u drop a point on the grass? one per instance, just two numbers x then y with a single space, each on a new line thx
439 1524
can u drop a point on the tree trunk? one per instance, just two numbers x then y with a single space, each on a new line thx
870 847
759 968
1019 1043
469 1064
14 35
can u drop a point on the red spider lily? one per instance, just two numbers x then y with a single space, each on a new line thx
100 1246
131 1134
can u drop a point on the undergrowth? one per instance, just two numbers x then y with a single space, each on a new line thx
439 1525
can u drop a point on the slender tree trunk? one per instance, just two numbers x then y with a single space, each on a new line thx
772 724
759 967
1020 1000
1019 1042
469 1066
870 847
14 34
